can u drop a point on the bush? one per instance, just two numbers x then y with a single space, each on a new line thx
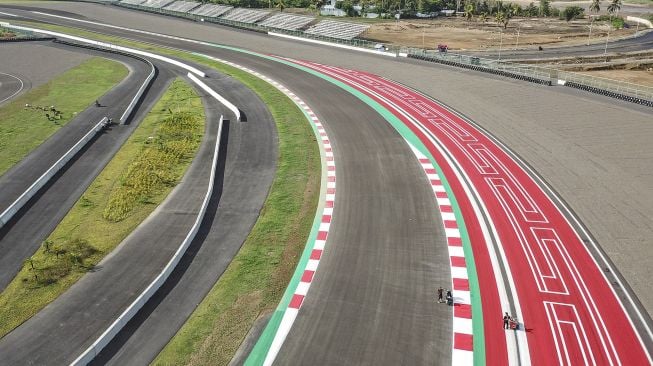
618 23
573 12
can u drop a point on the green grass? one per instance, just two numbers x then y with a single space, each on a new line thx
137 180
255 280
23 129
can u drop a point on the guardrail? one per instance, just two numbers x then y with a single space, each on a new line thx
614 88
8 213
92 351
530 73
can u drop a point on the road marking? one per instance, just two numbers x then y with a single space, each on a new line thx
22 85
462 336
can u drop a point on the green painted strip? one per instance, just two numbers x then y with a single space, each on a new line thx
406 133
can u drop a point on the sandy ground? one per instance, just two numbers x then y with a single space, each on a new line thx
641 77
460 34
18 59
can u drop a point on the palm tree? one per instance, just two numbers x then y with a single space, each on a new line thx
595 6
499 17
469 11
483 17
281 5
614 7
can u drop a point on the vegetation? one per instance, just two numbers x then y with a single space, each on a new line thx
573 12
257 277
24 128
137 179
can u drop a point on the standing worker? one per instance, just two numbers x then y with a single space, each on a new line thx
440 291
506 321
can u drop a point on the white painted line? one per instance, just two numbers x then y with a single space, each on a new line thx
284 328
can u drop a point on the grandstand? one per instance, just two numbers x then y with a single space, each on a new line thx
211 10
286 21
245 15
157 4
132 2
333 29
182 6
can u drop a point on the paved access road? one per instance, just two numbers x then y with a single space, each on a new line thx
640 43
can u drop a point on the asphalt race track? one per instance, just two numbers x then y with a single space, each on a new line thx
380 188
10 87
25 232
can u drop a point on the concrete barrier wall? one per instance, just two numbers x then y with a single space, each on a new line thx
215 95
89 354
8 213
640 21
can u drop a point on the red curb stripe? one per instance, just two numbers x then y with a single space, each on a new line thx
441 195
331 190
450 224
455 242
331 168
316 254
463 341
308 276
322 235
436 182
461 284
430 171
445 208
424 161
331 179
462 311
329 158
328 204
326 218
296 301
458 262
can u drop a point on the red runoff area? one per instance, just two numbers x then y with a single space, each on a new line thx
570 312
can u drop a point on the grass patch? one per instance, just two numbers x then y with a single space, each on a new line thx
130 187
22 129
255 280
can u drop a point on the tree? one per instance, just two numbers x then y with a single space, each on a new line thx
483 17
469 11
499 17
614 7
573 12
281 5
545 8
595 6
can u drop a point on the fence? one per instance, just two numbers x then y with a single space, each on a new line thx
616 87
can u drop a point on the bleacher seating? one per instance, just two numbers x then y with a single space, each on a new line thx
211 10
245 15
286 21
157 4
132 2
182 6
341 30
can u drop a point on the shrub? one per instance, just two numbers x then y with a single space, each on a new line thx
573 12
618 23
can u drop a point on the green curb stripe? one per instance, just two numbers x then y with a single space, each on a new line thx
406 133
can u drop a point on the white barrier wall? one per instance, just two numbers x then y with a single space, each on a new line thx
89 354
7 214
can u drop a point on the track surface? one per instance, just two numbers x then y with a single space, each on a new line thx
641 43
567 304
23 235
10 87
555 157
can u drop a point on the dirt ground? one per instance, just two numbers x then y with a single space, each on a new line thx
641 77
461 34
